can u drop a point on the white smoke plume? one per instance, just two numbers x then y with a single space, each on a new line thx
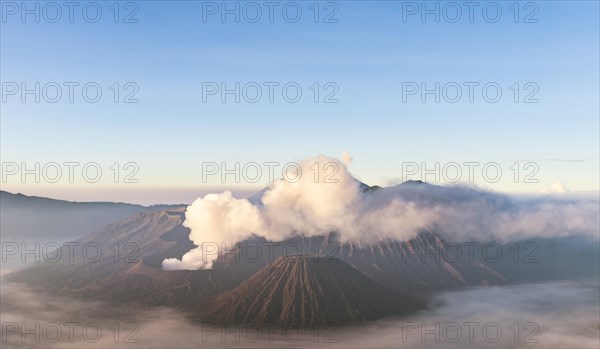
322 197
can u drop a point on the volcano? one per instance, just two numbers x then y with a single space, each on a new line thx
307 291
326 280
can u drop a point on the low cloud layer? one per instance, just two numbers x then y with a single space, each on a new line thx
531 315
539 311
322 196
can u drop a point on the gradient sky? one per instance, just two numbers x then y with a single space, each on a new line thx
368 54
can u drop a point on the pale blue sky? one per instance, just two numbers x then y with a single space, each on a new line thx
170 52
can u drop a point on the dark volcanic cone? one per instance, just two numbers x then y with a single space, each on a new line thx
305 292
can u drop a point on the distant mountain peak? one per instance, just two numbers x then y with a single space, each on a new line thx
413 182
